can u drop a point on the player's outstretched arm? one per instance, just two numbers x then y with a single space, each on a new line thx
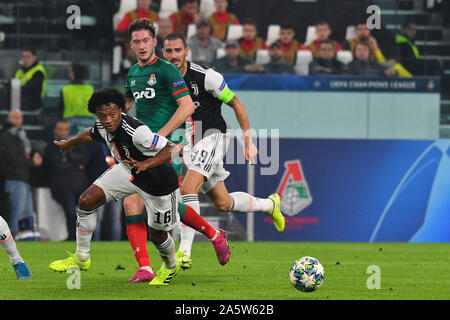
83 138
161 157
250 150
184 111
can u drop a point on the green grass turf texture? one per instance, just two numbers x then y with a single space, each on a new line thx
257 270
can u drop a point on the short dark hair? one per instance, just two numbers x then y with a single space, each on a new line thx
365 44
250 21
322 22
80 71
29 49
104 97
287 26
176 36
408 21
275 44
189 1
141 24
326 41
61 120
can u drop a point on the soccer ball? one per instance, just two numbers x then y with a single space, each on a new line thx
307 274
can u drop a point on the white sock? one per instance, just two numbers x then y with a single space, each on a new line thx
187 234
243 202
86 223
8 243
167 252
148 268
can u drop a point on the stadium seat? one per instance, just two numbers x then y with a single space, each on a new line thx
350 33
191 30
220 53
304 57
310 34
262 56
234 31
273 33
207 7
167 7
125 6
344 56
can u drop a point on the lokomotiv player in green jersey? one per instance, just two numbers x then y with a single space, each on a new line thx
163 103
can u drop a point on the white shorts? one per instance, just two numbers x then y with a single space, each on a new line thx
206 157
162 211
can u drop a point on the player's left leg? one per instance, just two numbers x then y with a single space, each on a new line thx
218 237
8 243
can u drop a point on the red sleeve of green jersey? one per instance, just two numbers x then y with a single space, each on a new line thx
177 85
127 91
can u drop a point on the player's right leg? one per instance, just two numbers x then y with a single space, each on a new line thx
86 211
189 196
244 202
17 194
137 236
8 243
166 248
162 212
112 185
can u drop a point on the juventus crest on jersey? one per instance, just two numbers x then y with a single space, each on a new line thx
207 88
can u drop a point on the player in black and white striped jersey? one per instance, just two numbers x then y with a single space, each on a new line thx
134 147
208 145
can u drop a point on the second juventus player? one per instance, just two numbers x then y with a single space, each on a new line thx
204 158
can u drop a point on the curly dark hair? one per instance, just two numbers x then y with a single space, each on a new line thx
105 97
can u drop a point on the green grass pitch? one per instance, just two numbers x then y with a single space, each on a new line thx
257 270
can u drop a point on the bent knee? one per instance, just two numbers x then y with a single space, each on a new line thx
223 204
133 205
86 202
157 236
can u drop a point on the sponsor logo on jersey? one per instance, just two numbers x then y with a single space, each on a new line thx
293 189
133 82
178 83
194 87
148 93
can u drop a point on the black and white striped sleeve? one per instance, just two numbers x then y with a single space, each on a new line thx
96 132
